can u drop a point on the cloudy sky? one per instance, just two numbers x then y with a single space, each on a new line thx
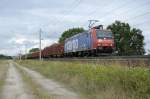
20 20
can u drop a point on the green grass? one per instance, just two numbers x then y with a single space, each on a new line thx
3 73
96 81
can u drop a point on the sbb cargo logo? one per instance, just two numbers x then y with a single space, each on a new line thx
69 46
75 45
72 45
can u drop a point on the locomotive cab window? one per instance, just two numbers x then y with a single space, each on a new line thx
102 35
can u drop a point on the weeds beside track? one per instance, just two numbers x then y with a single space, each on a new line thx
97 81
129 61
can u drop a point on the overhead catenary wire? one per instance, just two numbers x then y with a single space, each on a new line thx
140 15
71 10
135 17
136 10
115 9
79 2
107 4
138 24
58 20
136 7
112 10
73 6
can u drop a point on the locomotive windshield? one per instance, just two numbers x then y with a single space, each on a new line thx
102 35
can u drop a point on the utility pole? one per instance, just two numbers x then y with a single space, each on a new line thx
92 22
40 54
26 54
20 55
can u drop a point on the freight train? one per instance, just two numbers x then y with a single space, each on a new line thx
93 42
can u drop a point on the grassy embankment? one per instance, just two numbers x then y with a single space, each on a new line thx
3 73
97 81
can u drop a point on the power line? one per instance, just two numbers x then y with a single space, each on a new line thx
78 3
94 11
135 8
142 5
141 15
106 5
71 10
117 8
138 24
113 10
59 20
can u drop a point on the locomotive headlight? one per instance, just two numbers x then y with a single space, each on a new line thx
100 40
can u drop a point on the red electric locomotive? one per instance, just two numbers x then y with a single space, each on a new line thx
103 40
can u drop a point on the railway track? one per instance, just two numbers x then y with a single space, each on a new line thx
131 61
146 57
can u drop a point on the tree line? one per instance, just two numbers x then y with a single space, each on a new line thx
5 57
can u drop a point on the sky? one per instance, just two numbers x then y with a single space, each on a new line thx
21 20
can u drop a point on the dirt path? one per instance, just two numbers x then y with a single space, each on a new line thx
14 87
53 88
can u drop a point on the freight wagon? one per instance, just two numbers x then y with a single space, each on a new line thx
33 55
55 50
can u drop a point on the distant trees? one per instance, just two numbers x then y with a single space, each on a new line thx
33 50
69 33
129 41
5 57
